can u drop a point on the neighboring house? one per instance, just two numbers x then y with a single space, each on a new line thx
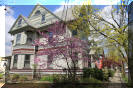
2 67
95 56
5 62
25 32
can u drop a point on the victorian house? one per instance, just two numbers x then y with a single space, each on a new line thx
24 31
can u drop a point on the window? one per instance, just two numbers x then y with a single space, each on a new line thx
37 12
15 61
19 22
18 38
43 18
49 61
29 40
27 61
50 36
29 37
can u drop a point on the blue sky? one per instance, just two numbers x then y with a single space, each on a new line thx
25 10
59 2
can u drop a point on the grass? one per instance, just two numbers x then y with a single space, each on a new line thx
47 78
125 78
1 75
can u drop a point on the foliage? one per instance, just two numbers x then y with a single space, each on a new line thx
23 78
111 73
113 28
15 77
98 74
47 78
105 75
94 73
1 75
61 44
125 78
110 62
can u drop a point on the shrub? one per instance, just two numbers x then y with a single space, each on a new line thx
23 78
1 75
111 73
93 72
105 75
47 78
15 77
125 78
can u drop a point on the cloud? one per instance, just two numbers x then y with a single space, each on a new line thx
70 4
105 2
59 9
9 20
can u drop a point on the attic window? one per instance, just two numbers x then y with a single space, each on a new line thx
43 18
19 22
37 12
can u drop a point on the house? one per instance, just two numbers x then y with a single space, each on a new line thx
5 63
24 31
2 67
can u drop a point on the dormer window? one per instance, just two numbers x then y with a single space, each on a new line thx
19 22
37 12
43 18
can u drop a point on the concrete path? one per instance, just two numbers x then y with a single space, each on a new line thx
116 81
117 78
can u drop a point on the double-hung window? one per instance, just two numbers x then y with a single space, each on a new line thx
15 61
27 61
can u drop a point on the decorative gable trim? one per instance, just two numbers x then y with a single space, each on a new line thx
15 23
45 9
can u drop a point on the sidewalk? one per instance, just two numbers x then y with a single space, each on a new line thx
116 81
117 78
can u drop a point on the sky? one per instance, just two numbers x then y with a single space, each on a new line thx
24 7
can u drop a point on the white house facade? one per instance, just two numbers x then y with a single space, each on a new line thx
24 31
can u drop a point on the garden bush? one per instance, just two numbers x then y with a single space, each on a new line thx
23 78
93 72
105 75
111 73
15 77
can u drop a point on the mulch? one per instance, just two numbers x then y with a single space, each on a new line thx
27 85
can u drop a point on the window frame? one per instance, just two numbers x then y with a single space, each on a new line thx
19 22
43 18
18 38
25 61
15 61
38 12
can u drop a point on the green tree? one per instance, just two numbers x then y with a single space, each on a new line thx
112 26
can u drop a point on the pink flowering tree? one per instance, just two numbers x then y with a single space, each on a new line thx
59 42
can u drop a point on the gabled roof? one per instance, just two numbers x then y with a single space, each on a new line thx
45 9
28 22
20 16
